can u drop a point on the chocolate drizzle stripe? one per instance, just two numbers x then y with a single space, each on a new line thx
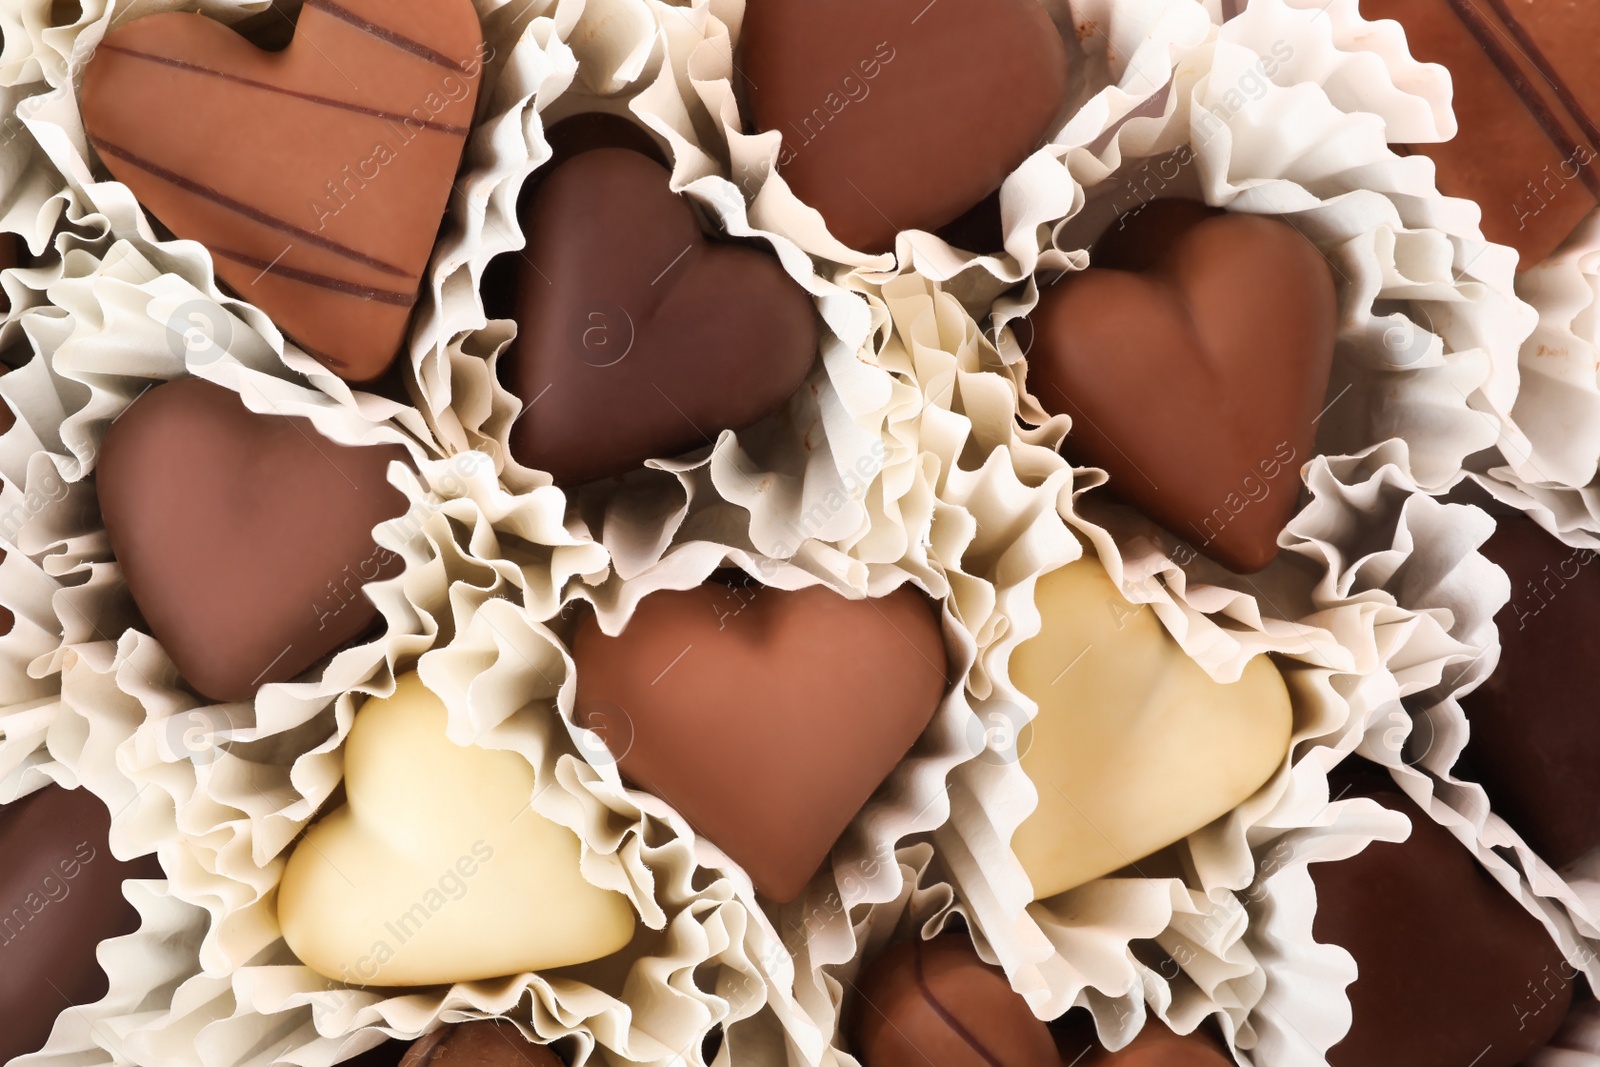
949 1020
387 35
221 199
326 101
1547 70
322 281
1494 47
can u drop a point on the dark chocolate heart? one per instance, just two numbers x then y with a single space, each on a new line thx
317 175
901 114
62 893
1527 97
245 539
1452 969
1193 360
637 337
766 717
1535 739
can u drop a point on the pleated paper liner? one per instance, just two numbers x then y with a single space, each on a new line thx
1553 476
220 791
143 969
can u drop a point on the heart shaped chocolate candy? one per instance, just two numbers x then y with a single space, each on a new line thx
1135 746
766 717
245 539
317 176
901 114
1535 740
1527 96
1193 360
638 337
63 896
1452 969
437 870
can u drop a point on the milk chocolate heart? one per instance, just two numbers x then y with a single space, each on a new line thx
766 717
245 539
436 870
1193 361
901 114
1535 740
1527 97
636 336
1135 746
317 176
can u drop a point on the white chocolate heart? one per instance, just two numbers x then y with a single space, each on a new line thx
437 870
1134 746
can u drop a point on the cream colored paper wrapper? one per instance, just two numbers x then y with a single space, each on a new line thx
919 474
1559 402
221 791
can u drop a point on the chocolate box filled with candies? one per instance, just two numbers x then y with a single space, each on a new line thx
996 532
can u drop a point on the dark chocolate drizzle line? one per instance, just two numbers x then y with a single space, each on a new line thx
326 101
1506 64
322 281
256 214
949 1020
1547 70
387 35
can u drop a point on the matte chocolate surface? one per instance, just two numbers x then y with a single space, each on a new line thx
245 539
1453 970
1535 741
60 896
317 176
937 1004
766 717
638 338
1155 1046
485 1043
900 114
1193 357
1527 100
